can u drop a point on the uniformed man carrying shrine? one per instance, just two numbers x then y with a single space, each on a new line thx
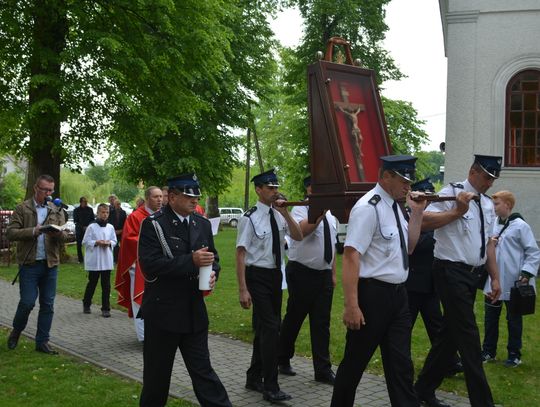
259 254
463 248
375 268
311 278
173 244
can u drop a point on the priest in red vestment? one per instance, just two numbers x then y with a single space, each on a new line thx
129 279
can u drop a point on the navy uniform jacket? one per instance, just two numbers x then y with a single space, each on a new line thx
172 299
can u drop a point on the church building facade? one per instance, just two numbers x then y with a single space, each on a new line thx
493 94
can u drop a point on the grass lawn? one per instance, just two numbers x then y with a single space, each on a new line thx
511 387
31 379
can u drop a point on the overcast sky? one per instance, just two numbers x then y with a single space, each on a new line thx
415 42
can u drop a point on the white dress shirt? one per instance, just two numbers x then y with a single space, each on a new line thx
255 235
460 240
373 232
310 250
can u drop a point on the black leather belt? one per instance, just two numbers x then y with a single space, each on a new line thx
257 268
459 264
380 283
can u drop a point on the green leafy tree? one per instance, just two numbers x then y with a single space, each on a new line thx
207 145
77 75
404 126
100 174
11 190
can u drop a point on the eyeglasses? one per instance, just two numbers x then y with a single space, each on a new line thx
50 191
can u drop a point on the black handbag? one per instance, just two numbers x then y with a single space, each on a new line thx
522 299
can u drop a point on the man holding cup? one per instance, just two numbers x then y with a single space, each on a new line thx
175 247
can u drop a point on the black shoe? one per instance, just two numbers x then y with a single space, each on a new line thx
432 402
273 396
45 348
106 314
455 369
255 386
286 370
328 378
87 310
13 339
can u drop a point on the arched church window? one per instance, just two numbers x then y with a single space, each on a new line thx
522 142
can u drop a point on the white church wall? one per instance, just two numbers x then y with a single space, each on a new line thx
487 43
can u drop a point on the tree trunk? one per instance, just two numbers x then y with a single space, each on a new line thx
46 112
212 210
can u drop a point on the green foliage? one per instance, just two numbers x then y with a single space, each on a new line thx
11 190
205 144
131 74
429 164
100 174
404 127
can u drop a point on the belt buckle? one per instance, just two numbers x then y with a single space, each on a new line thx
472 269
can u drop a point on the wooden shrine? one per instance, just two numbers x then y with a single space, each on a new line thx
347 133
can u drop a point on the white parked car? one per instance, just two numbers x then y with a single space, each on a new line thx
230 216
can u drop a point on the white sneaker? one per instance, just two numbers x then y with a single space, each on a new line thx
486 357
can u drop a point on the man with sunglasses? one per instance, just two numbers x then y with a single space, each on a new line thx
463 250
260 245
38 255
173 245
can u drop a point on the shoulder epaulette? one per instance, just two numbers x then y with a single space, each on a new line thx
199 216
250 211
457 185
374 200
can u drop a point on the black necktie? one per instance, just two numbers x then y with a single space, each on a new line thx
404 254
276 247
483 237
327 241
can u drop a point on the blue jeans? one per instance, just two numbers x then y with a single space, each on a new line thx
36 280
491 329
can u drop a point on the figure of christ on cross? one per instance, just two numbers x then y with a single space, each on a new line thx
351 111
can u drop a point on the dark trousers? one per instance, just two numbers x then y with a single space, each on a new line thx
159 351
93 277
36 280
428 306
79 235
491 329
456 287
310 293
264 286
388 325
116 250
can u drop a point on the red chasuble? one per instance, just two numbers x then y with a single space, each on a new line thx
126 257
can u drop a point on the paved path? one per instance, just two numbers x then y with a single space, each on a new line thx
118 350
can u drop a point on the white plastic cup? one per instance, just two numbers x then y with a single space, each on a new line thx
204 277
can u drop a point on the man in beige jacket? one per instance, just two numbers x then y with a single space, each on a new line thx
38 255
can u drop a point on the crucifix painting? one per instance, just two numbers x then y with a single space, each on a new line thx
351 111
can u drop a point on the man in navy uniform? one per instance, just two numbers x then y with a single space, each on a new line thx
463 249
173 244
375 268
260 245
423 298
311 278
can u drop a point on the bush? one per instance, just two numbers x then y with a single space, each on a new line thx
11 190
